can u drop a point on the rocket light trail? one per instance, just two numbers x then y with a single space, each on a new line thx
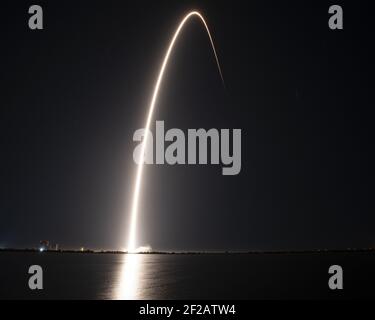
137 188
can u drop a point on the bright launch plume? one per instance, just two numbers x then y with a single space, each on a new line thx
138 181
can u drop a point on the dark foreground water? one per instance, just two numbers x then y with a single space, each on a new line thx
203 276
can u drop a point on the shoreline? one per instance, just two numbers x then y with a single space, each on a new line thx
318 251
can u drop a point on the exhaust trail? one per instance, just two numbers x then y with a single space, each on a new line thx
138 181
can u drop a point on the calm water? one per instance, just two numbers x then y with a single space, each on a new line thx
205 276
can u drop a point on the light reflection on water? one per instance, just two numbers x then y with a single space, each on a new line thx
130 274
143 276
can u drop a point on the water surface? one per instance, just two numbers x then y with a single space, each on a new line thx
185 276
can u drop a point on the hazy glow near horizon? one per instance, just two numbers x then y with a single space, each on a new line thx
137 186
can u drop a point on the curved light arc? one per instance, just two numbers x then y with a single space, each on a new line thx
138 182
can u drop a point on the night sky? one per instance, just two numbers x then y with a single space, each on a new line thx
73 94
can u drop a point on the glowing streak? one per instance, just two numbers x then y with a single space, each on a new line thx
129 287
138 181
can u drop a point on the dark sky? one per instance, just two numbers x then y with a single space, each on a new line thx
73 94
